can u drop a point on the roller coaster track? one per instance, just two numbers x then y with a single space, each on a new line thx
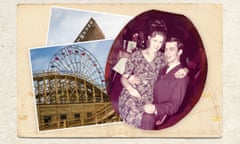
103 115
63 94
52 86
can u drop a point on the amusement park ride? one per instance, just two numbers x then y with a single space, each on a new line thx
72 91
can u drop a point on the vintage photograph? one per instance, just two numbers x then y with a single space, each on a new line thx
119 70
75 25
157 69
69 85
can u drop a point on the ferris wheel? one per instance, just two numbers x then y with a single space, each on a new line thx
75 60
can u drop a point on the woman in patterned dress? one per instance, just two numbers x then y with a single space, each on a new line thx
145 65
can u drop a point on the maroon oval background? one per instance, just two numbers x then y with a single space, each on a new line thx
180 26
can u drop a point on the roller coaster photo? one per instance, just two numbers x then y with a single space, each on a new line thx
72 91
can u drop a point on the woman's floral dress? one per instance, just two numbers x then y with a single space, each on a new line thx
130 107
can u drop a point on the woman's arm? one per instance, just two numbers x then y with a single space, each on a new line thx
129 87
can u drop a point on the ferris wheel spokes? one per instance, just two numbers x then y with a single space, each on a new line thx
76 60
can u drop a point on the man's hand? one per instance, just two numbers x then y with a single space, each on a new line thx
181 73
149 108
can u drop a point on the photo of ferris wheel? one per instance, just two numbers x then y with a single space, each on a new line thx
69 85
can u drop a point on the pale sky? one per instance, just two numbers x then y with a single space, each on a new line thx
41 56
66 24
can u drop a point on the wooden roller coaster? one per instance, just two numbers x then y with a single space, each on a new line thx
65 100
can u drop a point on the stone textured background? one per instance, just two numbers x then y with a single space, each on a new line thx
231 78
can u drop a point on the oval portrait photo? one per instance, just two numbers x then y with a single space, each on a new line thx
156 70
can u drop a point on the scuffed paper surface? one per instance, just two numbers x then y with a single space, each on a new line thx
205 120
8 89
